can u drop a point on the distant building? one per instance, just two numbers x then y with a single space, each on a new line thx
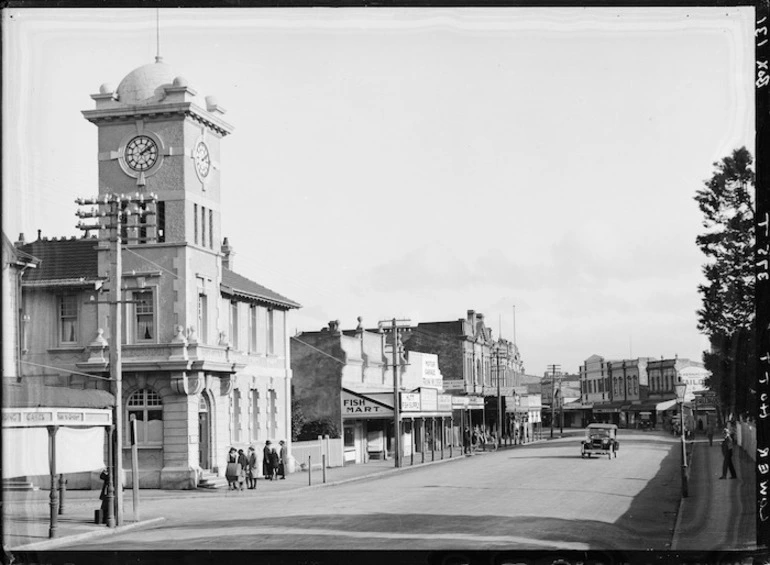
345 378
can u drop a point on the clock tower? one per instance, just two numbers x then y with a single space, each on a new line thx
156 135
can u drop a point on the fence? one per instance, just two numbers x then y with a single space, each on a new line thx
746 438
331 447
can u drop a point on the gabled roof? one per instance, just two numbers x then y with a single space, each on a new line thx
13 254
234 285
63 260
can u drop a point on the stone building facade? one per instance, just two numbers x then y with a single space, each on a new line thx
205 350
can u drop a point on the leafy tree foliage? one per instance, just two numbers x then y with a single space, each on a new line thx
314 428
728 316
298 419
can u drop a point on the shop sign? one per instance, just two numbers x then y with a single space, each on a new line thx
361 407
459 402
429 399
454 384
444 403
410 402
476 401
430 374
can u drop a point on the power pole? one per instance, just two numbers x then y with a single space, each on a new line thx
499 399
553 368
112 209
396 391
561 408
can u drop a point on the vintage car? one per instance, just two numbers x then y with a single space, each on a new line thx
600 439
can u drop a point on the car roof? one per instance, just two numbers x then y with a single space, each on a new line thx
603 426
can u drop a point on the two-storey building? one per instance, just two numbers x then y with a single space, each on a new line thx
205 350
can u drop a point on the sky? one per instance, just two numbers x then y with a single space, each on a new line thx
536 165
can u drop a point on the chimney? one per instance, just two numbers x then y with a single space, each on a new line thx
21 241
39 234
228 253
471 315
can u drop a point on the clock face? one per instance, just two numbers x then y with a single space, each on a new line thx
141 153
202 159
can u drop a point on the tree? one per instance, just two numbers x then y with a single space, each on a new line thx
728 315
297 419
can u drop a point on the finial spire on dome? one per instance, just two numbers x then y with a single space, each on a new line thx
158 58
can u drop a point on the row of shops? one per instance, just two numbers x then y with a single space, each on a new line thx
650 414
431 423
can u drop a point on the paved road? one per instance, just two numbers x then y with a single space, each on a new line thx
543 497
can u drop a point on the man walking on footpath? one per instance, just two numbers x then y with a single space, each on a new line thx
727 454
710 433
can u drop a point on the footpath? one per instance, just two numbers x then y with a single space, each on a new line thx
717 516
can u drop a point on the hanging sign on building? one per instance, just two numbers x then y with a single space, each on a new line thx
444 403
410 401
359 406
459 402
429 399
455 384
476 401
430 374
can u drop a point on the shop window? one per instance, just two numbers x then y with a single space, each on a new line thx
146 406
68 318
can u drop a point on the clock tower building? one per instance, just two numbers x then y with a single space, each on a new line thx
205 356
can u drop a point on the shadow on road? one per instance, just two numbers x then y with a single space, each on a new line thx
397 531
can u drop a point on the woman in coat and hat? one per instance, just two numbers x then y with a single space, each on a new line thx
266 461
275 461
231 472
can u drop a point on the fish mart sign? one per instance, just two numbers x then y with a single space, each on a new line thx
354 406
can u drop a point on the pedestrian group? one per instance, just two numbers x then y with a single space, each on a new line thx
243 468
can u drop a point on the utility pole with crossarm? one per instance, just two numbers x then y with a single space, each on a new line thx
110 211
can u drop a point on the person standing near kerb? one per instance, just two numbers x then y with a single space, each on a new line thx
710 433
283 459
727 454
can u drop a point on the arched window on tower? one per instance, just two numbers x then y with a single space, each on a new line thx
146 406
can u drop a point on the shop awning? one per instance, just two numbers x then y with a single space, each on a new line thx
665 405
609 407
23 395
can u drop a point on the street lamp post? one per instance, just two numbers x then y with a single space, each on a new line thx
499 399
681 388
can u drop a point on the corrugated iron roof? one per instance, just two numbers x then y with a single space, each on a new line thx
235 284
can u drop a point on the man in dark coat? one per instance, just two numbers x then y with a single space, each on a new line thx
266 461
727 454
